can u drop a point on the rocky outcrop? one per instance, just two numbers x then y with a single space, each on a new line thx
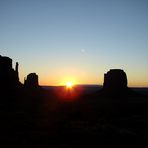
115 80
9 78
31 81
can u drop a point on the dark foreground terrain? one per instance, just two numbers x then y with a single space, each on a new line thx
68 119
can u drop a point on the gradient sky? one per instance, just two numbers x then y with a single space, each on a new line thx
78 40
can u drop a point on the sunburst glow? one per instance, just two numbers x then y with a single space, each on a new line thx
69 84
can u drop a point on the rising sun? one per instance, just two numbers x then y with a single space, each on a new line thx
69 84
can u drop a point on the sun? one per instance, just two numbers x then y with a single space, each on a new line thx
69 84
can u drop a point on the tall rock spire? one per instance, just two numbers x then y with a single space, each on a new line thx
16 71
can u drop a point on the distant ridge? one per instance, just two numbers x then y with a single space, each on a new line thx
87 89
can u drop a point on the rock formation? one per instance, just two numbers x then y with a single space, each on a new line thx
115 80
9 78
31 81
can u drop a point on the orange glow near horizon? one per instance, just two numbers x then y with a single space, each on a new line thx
68 81
69 84
61 77
70 91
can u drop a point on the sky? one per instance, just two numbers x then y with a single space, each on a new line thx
76 40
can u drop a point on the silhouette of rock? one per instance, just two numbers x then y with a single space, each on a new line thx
31 81
9 78
115 80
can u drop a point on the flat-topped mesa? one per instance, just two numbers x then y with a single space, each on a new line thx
9 79
115 79
31 81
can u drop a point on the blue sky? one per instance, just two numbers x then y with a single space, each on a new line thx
78 39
